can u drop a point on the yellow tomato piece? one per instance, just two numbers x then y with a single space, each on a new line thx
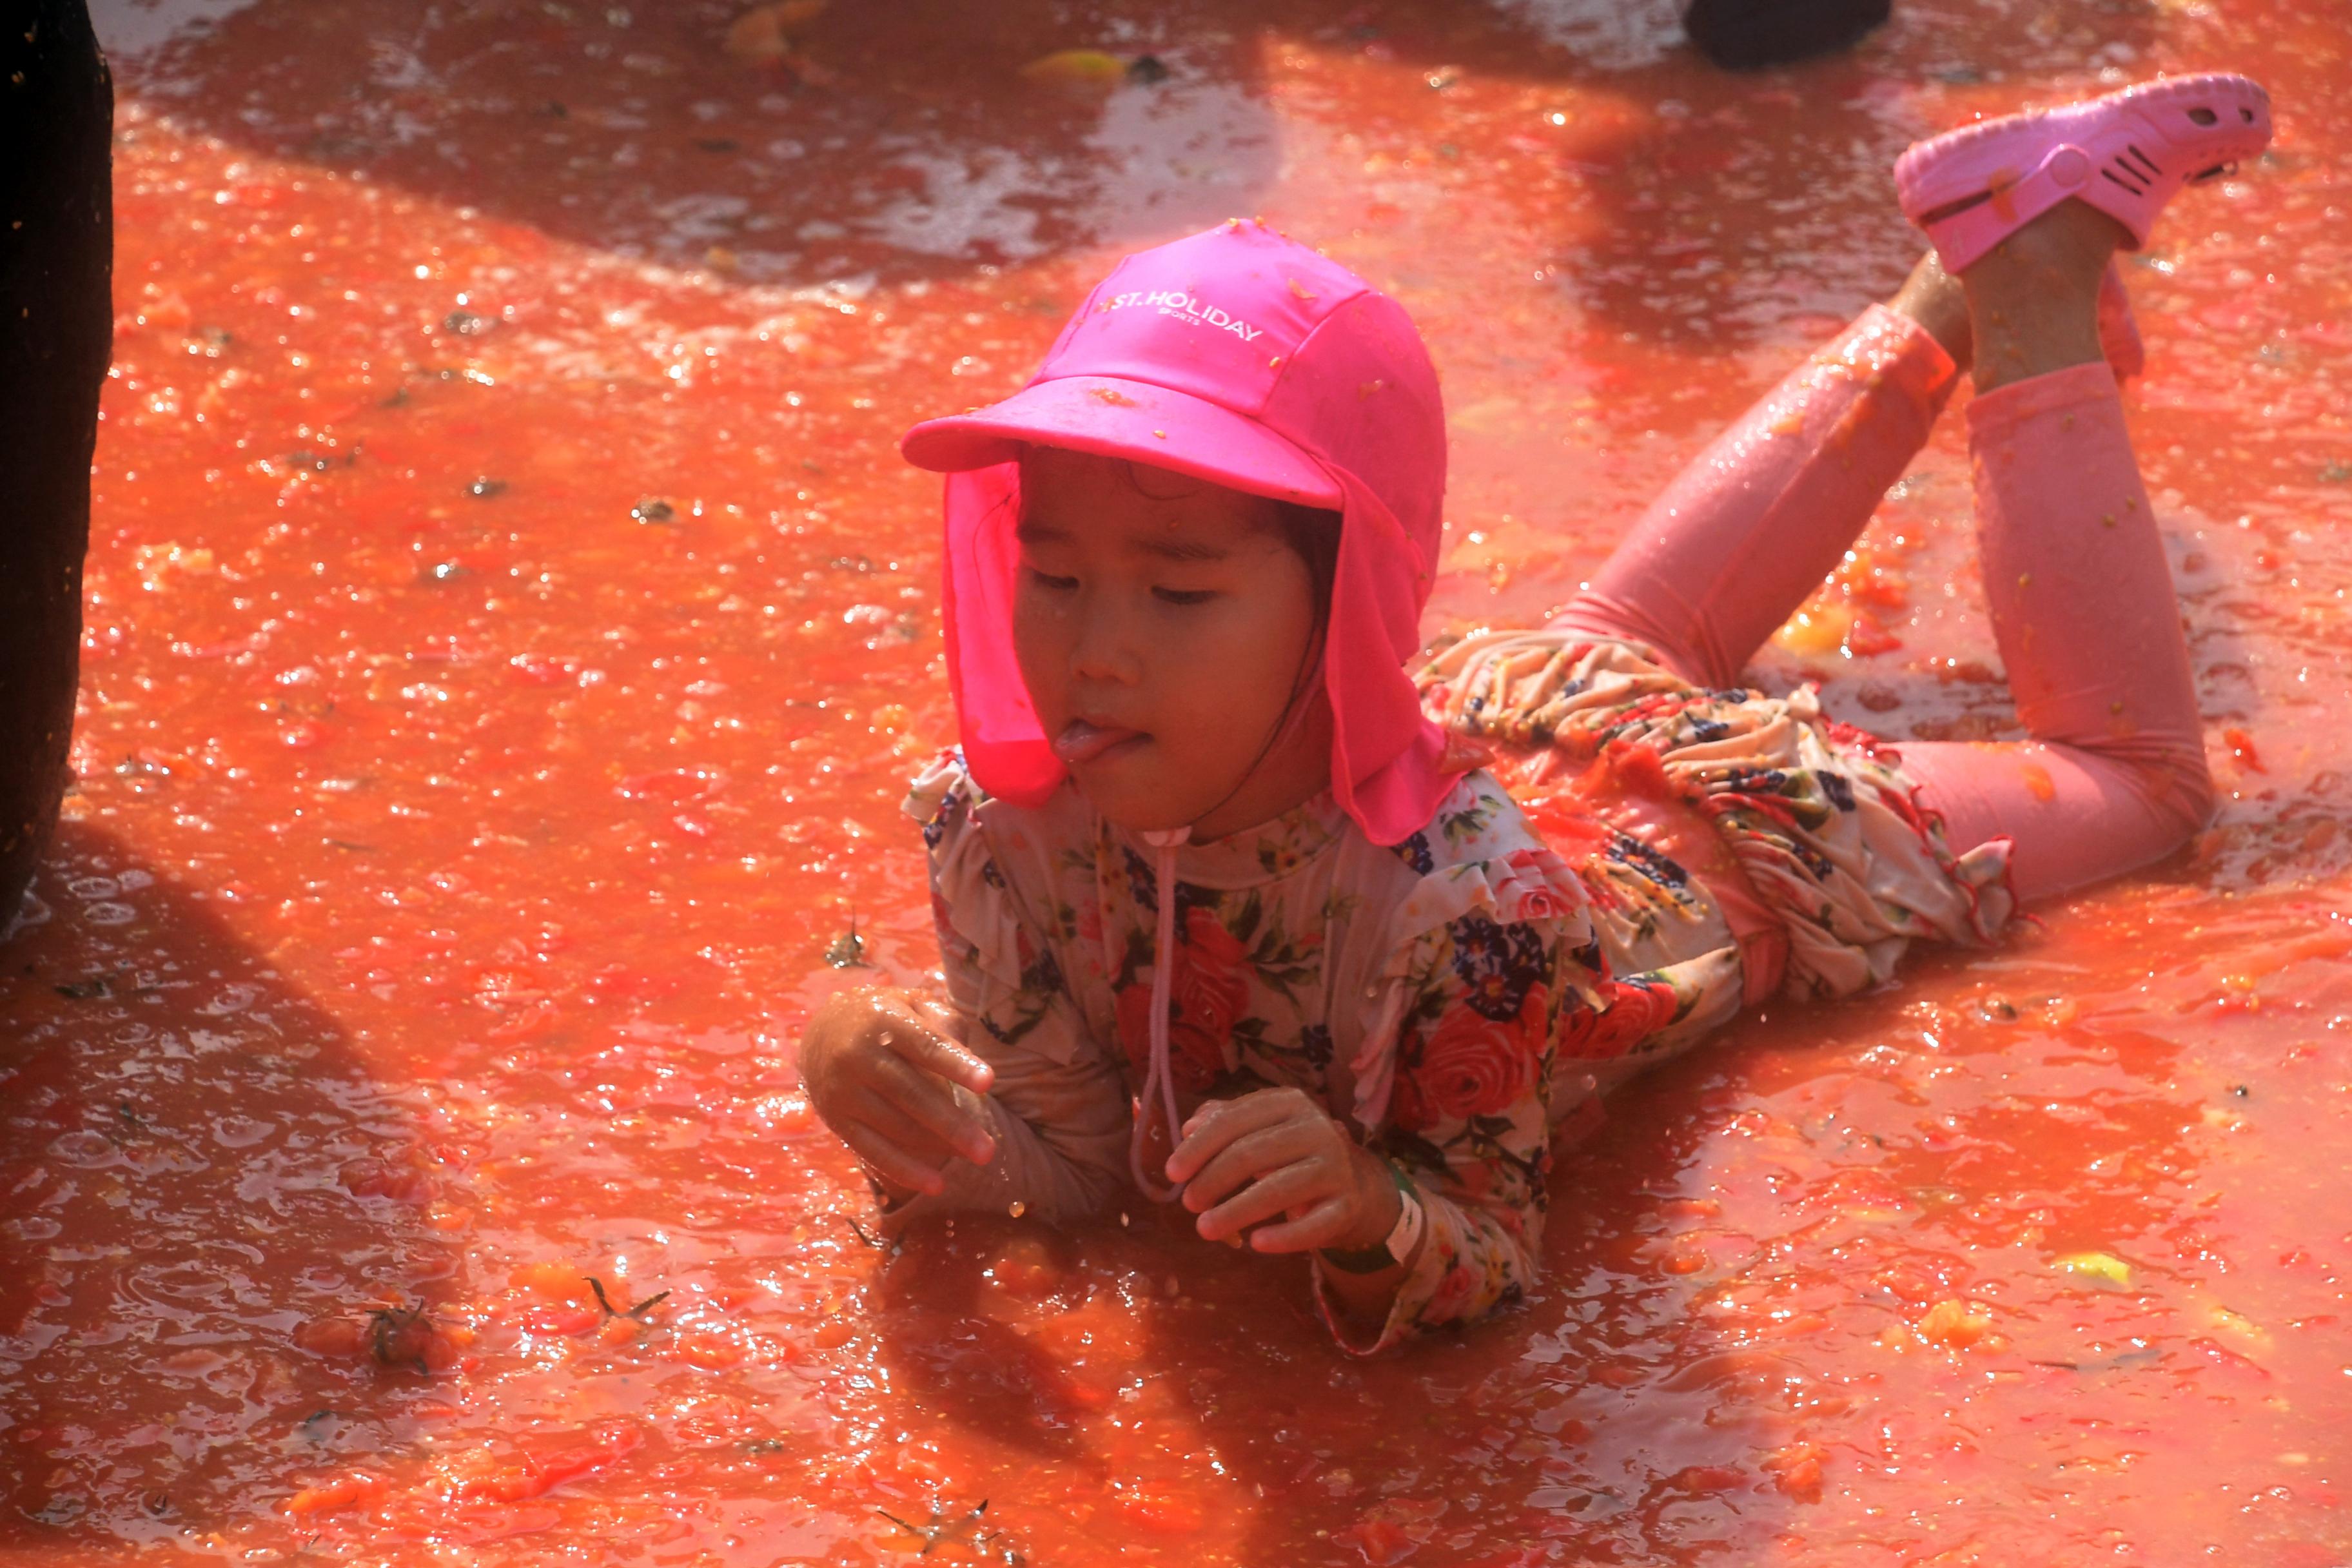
2098 1265
1076 68
1819 630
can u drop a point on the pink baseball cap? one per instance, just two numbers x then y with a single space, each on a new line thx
1243 358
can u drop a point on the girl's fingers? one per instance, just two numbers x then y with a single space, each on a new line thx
890 1162
916 1043
1214 1127
1253 1153
922 1098
884 1114
873 1064
1293 1186
1321 1226
941 1019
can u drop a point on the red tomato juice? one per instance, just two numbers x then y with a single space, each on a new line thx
509 628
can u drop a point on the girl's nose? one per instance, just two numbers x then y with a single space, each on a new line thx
1103 651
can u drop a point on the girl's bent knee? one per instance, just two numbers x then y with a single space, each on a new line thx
2184 795
2174 786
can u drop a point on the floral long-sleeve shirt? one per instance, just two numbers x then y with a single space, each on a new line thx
1443 997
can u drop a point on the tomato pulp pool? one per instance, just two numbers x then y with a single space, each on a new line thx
509 627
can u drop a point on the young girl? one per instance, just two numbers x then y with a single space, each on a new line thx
1229 907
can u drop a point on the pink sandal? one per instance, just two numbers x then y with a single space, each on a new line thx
2125 154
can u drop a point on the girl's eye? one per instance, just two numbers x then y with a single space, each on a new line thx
1047 580
1183 595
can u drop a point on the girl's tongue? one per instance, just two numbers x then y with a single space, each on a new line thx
1081 742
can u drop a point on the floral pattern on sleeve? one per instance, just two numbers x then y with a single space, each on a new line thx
1058 1108
1457 1074
999 975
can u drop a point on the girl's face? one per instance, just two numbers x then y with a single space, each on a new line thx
1162 625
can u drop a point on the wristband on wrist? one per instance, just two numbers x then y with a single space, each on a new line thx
1402 1236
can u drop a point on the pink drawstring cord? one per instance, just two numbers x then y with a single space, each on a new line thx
1158 1080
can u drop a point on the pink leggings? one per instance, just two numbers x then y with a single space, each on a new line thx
2074 574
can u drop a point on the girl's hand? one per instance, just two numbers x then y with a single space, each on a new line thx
876 1063
1277 1152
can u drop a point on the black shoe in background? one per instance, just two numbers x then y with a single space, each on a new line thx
1750 34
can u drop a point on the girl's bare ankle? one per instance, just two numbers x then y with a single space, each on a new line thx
2065 250
1934 299
2034 299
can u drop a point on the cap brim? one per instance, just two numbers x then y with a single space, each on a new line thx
1115 417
